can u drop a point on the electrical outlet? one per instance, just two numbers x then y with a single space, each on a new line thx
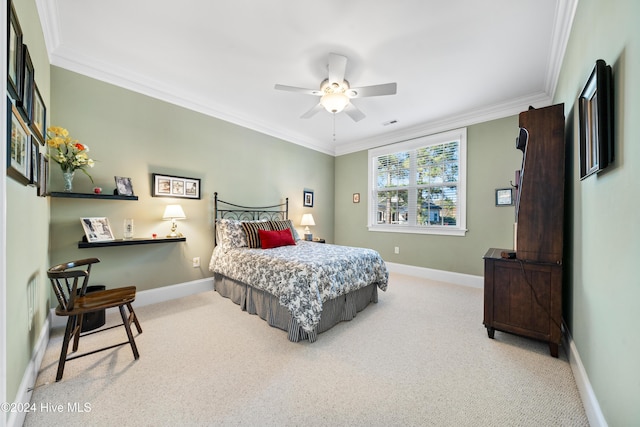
396 249
196 262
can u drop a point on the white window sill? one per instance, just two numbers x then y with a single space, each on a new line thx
441 231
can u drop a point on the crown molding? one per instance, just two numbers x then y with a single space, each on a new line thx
48 12
493 112
563 22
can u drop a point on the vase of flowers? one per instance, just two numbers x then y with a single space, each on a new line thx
69 154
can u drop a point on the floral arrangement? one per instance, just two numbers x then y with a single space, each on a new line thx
69 153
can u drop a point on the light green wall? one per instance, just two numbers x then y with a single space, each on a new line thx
27 232
133 135
603 290
492 160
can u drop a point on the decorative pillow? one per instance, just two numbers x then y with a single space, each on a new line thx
251 231
230 234
275 238
284 225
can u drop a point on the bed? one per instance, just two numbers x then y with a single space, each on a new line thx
299 286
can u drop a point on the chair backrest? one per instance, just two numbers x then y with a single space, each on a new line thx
66 283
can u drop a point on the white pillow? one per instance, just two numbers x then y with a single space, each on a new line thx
230 234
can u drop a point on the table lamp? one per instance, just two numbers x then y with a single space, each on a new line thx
307 220
174 212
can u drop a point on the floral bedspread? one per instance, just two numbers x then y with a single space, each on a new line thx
305 275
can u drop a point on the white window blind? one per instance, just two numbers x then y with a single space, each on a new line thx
419 185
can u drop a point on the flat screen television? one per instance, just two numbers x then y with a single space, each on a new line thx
596 121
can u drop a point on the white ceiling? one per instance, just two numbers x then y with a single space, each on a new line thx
456 62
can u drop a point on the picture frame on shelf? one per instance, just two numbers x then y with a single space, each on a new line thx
123 186
595 115
26 97
504 197
307 198
97 229
18 146
175 186
38 115
14 53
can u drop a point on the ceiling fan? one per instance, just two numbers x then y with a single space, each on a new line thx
335 92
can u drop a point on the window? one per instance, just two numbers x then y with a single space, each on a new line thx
419 186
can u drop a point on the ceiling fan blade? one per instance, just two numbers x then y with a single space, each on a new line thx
375 90
337 68
312 112
353 112
298 90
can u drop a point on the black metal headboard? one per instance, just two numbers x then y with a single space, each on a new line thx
226 210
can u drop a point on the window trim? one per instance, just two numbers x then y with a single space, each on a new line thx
440 138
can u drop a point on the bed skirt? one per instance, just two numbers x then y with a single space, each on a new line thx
265 305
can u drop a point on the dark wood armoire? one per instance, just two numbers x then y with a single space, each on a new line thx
523 294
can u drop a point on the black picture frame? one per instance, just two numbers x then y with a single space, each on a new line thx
595 109
14 54
38 115
123 186
26 98
175 186
504 196
43 189
307 198
18 146
34 163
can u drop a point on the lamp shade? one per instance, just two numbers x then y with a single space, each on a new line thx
307 219
173 212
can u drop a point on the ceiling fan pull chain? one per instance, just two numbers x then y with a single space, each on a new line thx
334 127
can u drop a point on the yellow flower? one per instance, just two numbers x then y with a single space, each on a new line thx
68 152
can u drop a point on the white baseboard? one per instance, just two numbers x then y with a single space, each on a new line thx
438 275
589 400
154 296
30 375
166 293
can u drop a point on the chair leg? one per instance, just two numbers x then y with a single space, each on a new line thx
65 347
125 321
135 318
77 330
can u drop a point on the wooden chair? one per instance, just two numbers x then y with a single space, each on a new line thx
70 286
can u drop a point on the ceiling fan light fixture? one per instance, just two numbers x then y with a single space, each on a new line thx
334 102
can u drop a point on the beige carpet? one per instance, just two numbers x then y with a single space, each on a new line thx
421 356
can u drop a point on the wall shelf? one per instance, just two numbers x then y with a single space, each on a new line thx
92 196
129 242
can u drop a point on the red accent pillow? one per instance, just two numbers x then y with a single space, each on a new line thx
273 239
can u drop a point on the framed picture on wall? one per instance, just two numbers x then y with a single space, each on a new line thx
38 115
307 198
18 146
14 68
34 174
504 197
175 186
26 97
595 109
43 189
